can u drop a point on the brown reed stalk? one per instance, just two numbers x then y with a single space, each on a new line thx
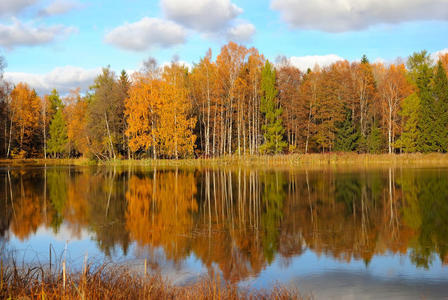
119 282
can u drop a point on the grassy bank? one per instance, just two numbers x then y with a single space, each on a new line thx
41 161
292 160
108 282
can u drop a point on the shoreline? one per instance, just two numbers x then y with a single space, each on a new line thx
286 160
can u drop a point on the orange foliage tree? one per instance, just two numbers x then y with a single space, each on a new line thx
203 93
142 109
158 113
365 93
26 108
176 123
393 88
76 116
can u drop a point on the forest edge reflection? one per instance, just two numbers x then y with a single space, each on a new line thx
237 219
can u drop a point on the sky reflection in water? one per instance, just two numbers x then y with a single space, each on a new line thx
346 234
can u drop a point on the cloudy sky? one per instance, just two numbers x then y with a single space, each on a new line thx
64 43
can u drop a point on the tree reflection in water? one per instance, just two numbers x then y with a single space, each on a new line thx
236 219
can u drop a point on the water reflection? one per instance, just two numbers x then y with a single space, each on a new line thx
237 220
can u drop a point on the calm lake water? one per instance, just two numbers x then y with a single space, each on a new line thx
343 234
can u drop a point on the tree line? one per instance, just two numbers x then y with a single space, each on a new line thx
238 103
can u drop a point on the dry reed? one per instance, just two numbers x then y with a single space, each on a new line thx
281 160
119 282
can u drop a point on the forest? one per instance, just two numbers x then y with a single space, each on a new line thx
238 103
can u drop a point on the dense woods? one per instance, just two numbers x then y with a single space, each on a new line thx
235 104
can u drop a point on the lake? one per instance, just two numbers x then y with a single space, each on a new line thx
339 233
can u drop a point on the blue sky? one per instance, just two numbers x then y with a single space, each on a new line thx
64 43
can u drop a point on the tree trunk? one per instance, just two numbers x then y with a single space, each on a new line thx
10 136
308 130
153 141
390 130
239 127
110 138
22 133
230 126
214 134
45 128
207 129
175 137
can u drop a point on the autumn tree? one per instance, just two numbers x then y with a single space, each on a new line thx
248 119
5 113
272 128
229 63
289 81
226 101
25 113
142 113
176 124
234 105
75 114
203 91
365 91
308 91
329 106
393 89
443 58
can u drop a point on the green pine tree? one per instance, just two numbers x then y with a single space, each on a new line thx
272 129
55 100
346 136
364 59
57 144
410 111
375 139
440 94
420 73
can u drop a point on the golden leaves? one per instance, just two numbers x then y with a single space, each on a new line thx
158 113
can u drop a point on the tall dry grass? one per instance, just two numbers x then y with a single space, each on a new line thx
118 282
261 161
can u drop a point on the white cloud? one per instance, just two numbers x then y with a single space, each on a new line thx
305 62
146 34
20 34
58 7
241 33
435 55
12 7
380 60
347 15
179 62
63 79
201 15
